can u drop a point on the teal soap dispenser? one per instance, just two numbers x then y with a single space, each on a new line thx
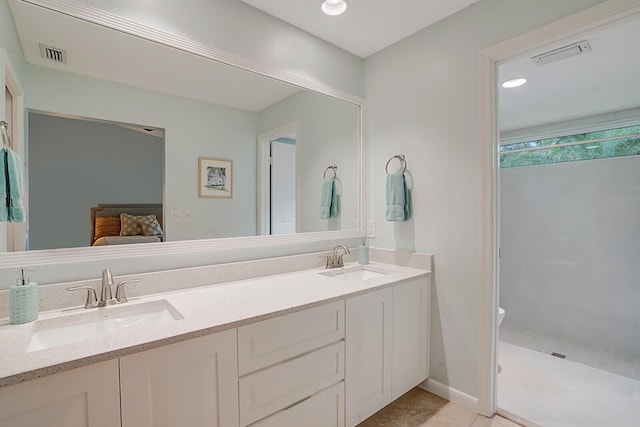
23 300
363 253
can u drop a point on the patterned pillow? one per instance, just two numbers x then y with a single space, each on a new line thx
150 226
130 224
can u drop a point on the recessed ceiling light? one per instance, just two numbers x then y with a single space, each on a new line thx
334 7
510 84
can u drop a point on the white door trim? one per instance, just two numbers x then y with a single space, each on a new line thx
17 230
264 177
605 13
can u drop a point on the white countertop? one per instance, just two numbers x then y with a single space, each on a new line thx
206 310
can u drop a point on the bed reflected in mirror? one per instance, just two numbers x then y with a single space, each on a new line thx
83 174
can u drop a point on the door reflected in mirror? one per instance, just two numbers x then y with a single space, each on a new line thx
282 184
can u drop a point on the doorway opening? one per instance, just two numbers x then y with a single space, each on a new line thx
568 200
277 181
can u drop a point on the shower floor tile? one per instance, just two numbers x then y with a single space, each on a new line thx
554 392
626 365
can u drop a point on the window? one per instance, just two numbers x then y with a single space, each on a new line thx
601 144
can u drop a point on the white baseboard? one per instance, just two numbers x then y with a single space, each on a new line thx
451 394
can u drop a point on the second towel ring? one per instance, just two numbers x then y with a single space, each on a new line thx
402 160
334 168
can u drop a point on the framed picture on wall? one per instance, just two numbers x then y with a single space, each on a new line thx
215 177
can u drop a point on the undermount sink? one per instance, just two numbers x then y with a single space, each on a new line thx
99 323
357 273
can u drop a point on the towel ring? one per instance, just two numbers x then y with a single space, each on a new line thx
334 168
401 158
6 139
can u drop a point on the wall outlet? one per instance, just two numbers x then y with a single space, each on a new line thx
177 215
371 229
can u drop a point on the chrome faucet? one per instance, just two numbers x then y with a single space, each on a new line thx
335 259
106 297
105 292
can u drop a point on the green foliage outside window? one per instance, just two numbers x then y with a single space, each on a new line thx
590 148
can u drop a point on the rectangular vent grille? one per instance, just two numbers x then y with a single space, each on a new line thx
562 53
53 54
560 355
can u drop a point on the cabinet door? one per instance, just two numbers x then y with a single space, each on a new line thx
368 354
191 383
410 335
83 397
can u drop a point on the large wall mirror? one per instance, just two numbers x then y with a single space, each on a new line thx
148 122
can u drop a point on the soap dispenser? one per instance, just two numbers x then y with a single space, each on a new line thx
23 300
363 253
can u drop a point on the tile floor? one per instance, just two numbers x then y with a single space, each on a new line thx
554 392
419 408
626 365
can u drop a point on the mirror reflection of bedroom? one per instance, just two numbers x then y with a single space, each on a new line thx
83 174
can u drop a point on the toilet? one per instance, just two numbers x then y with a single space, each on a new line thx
501 313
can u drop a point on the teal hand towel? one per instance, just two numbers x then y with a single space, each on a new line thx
13 186
4 188
328 200
397 197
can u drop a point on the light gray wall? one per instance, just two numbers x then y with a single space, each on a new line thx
192 129
423 98
76 164
238 28
570 245
328 135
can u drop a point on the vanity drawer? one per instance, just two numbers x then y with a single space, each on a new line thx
272 389
269 342
324 409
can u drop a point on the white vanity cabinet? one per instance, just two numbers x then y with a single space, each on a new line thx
369 346
410 355
330 365
387 336
83 397
191 383
292 369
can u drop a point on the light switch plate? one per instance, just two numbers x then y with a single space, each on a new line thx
371 229
177 215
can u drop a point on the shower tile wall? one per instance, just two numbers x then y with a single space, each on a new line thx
570 242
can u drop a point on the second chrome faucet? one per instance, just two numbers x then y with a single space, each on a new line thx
106 296
335 259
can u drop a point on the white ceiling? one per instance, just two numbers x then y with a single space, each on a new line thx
107 54
368 25
600 81
604 80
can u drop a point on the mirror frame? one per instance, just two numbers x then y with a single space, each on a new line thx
88 254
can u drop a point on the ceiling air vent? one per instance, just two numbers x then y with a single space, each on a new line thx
562 53
53 54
